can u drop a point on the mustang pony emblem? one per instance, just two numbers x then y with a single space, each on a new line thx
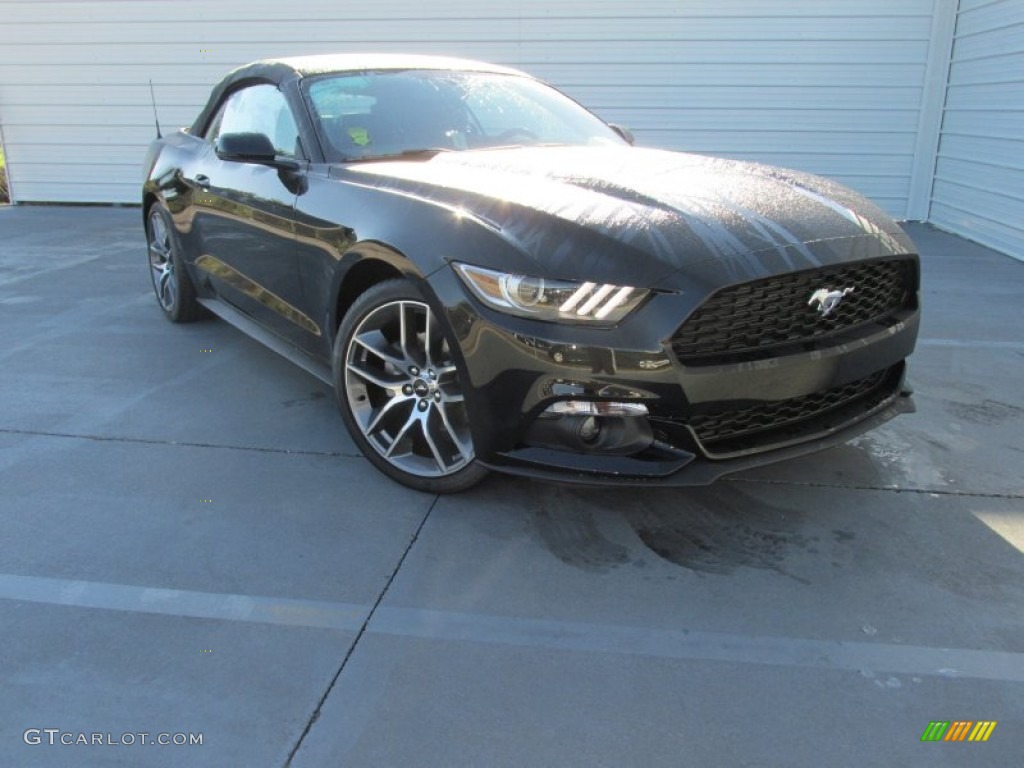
827 300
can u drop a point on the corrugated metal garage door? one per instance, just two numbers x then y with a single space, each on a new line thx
979 174
830 86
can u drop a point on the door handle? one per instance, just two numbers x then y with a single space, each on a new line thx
202 180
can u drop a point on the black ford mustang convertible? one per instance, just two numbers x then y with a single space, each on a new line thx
493 278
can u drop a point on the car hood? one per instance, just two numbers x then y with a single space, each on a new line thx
642 214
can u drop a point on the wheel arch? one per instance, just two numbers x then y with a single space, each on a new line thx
363 266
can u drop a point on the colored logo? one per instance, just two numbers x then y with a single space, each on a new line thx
958 730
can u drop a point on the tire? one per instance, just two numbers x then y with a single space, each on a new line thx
171 282
399 391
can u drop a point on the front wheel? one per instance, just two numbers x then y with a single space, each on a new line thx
399 391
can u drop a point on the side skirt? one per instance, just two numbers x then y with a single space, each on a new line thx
270 340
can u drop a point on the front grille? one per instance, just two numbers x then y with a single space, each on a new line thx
772 424
762 318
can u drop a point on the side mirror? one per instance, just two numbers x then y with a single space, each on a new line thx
251 148
624 133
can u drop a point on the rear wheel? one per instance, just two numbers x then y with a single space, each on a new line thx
171 283
399 391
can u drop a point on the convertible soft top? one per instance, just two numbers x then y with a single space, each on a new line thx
280 70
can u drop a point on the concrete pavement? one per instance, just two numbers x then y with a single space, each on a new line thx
189 544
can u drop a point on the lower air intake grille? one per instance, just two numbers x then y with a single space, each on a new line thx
769 425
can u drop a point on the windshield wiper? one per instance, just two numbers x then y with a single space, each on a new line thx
407 154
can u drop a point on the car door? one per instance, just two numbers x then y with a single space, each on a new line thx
244 211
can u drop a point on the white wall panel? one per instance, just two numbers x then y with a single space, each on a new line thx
979 173
830 86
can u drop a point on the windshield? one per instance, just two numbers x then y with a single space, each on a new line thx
373 115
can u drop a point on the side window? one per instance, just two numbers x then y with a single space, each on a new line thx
257 109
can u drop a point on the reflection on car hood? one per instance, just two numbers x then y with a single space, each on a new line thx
653 211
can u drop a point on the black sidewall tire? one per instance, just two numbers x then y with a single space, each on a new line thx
382 293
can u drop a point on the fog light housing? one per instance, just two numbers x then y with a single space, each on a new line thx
593 426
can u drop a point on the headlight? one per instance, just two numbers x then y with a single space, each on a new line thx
554 300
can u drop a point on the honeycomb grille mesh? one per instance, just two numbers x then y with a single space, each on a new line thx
760 425
754 320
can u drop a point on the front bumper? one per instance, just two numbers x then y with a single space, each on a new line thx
684 470
699 419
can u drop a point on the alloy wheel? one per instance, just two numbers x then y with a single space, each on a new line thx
403 391
161 261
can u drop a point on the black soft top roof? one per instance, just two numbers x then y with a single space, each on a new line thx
279 71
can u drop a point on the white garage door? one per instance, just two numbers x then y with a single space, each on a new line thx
979 175
830 86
